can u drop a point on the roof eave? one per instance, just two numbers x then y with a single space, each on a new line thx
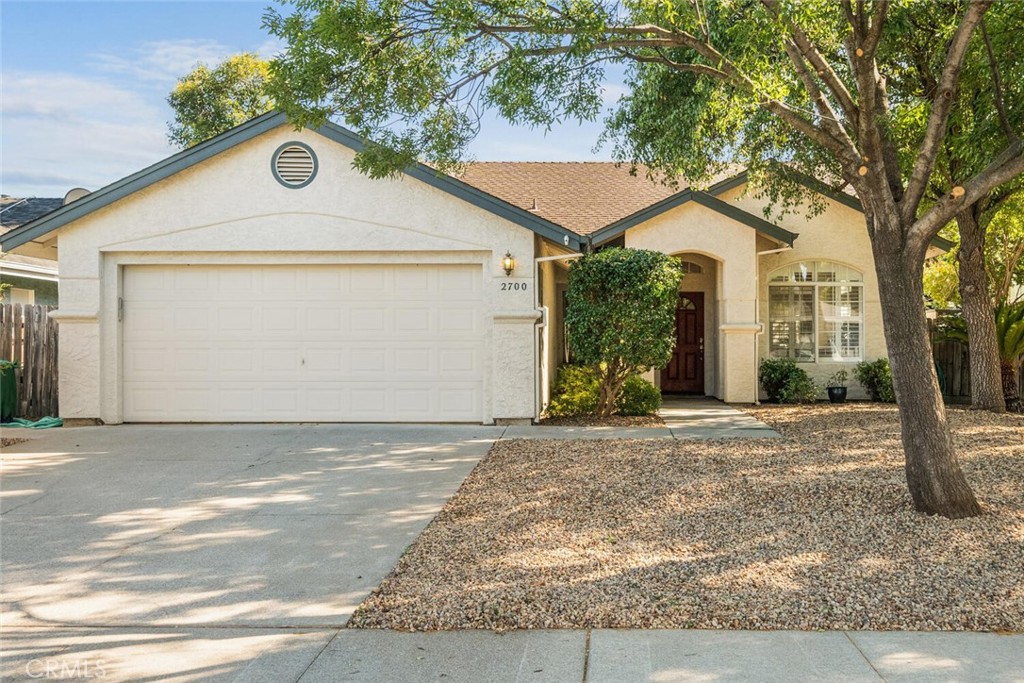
468 193
139 180
247 131
708 199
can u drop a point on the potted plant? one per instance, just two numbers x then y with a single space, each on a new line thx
837 387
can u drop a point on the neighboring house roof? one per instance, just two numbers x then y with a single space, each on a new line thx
15 212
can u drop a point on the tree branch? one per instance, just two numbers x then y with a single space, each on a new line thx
1005 167
874 34
997 86
942 103
818 62
828 115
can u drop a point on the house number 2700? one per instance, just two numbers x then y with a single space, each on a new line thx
513 286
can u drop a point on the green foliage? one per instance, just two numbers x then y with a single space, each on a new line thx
876 378
575 393
620 314
208 102
1004 250
621 307
638 397
786 382
1010 332
941 279
838 379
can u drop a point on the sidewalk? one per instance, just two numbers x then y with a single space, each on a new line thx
312 655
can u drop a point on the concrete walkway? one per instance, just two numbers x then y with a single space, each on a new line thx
685 418
708 418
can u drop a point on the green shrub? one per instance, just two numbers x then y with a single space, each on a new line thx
621 315
876 378
638 397
785 382
575 392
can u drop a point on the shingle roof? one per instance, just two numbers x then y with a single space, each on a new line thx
16 211
580 196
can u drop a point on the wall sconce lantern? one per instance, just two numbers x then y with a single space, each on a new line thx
508 263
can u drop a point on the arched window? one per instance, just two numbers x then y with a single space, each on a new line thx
691 267
816 312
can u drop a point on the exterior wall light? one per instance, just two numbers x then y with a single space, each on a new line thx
508 263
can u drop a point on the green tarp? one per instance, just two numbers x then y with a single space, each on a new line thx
42 423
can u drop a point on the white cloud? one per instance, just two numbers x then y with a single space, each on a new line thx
611 92
161 62
271 47
62 131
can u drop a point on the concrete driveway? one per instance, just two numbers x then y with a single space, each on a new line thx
191 552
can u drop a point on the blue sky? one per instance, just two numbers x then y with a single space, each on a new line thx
84 87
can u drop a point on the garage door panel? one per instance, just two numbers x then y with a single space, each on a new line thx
300 343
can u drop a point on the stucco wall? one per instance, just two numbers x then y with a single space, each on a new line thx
695 229
838 234
231 210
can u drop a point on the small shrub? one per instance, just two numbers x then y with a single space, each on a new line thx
838 379
638 397
785 382
876 378
575 392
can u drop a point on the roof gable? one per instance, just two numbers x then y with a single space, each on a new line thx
252 129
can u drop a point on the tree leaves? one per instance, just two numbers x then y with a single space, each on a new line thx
207 102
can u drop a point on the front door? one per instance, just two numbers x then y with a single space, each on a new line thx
685 372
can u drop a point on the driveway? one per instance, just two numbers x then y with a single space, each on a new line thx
198 549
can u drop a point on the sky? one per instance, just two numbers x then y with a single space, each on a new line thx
84 87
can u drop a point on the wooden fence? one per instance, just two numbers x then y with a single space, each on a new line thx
953 363
29 337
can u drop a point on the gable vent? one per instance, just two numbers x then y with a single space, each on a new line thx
294 165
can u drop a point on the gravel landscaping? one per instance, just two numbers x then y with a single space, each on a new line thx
812 531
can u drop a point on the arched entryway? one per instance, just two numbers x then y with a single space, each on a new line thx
694 367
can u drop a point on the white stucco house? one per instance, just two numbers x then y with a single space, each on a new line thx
259 277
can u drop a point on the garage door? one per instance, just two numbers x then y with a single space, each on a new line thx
303 343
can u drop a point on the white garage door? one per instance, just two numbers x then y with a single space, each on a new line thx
303 343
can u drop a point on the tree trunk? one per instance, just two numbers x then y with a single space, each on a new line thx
986 382
936 482
612 378
1010 390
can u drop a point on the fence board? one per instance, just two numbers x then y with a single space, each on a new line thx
28 336
953 363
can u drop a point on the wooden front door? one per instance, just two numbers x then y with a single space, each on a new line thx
685 372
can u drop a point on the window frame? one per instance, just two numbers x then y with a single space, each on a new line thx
817 319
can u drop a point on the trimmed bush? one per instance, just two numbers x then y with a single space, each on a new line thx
576 392
621 315
876 378
638 397
785 382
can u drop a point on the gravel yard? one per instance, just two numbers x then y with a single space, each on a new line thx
812 531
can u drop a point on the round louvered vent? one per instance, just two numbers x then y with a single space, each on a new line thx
294 164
